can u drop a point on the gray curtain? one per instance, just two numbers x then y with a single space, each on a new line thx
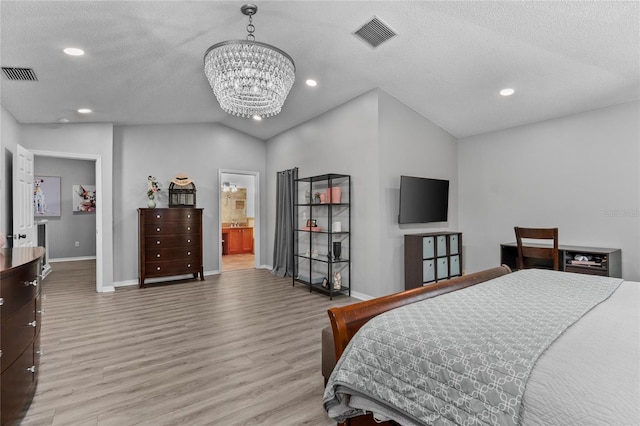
283 241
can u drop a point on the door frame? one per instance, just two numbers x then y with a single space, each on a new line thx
99 212
256 223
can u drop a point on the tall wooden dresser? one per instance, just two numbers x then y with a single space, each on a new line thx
170 242
20 315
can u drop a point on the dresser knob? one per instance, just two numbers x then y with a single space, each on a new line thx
32 369
157 229
188 253
33 283
188 216
188 228
188 241
158 255
40 352
158 268
1 301
32 323
0 353
157 242
188 265
158 216
41 311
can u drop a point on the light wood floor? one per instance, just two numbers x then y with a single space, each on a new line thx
241 348
235 262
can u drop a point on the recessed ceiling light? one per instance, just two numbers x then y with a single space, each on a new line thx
84 111
507 92
311 83
73 51
257 117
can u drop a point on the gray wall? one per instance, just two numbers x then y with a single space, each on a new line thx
410 145
374 138
343 140
89 140
71 226
199 151
579 173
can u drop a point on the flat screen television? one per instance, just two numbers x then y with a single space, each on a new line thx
423 200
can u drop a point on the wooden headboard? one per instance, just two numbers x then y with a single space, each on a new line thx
347 320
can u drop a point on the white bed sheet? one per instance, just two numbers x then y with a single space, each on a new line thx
591 374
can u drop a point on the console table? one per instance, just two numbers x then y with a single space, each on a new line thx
607 261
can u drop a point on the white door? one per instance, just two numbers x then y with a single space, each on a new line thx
24 229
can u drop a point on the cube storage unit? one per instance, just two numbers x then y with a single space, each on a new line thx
431 257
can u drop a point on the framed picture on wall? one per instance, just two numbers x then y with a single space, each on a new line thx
83 198
46 196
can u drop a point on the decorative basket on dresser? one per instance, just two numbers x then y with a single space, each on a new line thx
20 315
170 242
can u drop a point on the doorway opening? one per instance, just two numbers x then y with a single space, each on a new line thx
239 220
99 261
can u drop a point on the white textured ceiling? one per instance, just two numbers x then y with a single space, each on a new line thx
143 61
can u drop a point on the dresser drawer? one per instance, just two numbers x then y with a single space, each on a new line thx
172 267
37 354
176 253
586 270
171 215
18 289
18 386
38 313
17 333
172 228
169 241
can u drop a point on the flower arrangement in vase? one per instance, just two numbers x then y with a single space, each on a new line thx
153 187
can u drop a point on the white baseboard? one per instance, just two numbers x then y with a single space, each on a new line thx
71 259
108 289
361 296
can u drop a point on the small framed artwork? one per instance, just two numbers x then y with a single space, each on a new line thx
311 223
83 198
46 196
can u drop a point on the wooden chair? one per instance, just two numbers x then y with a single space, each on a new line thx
537 251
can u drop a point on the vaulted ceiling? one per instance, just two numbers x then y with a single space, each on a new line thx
144 59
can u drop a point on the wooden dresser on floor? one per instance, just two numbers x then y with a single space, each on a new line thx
170 242
20 315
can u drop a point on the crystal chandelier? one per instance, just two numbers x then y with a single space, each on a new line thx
249 78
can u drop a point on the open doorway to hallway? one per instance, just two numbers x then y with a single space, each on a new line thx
238 220
66 211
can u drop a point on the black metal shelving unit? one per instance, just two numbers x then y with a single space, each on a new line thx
314 260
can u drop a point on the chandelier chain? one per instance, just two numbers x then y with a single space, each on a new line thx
250 29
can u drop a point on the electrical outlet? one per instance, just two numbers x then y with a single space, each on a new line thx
77 243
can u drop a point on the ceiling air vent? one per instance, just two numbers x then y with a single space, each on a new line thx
375 32
19 74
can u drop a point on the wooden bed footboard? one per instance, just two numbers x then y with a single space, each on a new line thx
347 320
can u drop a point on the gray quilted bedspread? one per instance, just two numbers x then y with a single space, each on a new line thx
462 358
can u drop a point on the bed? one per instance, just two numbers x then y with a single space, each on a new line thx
531 347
